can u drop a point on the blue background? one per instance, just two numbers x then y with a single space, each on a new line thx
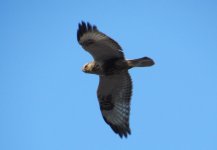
48 103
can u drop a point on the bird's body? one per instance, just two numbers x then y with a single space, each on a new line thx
115 84
113 66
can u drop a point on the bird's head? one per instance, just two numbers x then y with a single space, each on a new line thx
89 67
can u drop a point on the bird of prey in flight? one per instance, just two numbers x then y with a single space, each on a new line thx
115 84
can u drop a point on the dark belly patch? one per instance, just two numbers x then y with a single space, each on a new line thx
109 67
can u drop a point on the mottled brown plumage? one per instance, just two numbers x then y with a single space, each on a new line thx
115 85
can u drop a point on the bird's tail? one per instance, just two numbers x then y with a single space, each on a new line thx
140 62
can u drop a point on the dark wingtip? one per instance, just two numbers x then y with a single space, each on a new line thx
121 131
124 132
89 27
94 28
150 62
83 28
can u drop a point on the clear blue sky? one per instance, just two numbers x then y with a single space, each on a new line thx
48 103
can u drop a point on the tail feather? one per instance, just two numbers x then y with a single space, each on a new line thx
140 62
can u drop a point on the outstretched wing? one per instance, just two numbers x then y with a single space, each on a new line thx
114 93
99 45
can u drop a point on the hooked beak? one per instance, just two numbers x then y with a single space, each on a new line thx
83 69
